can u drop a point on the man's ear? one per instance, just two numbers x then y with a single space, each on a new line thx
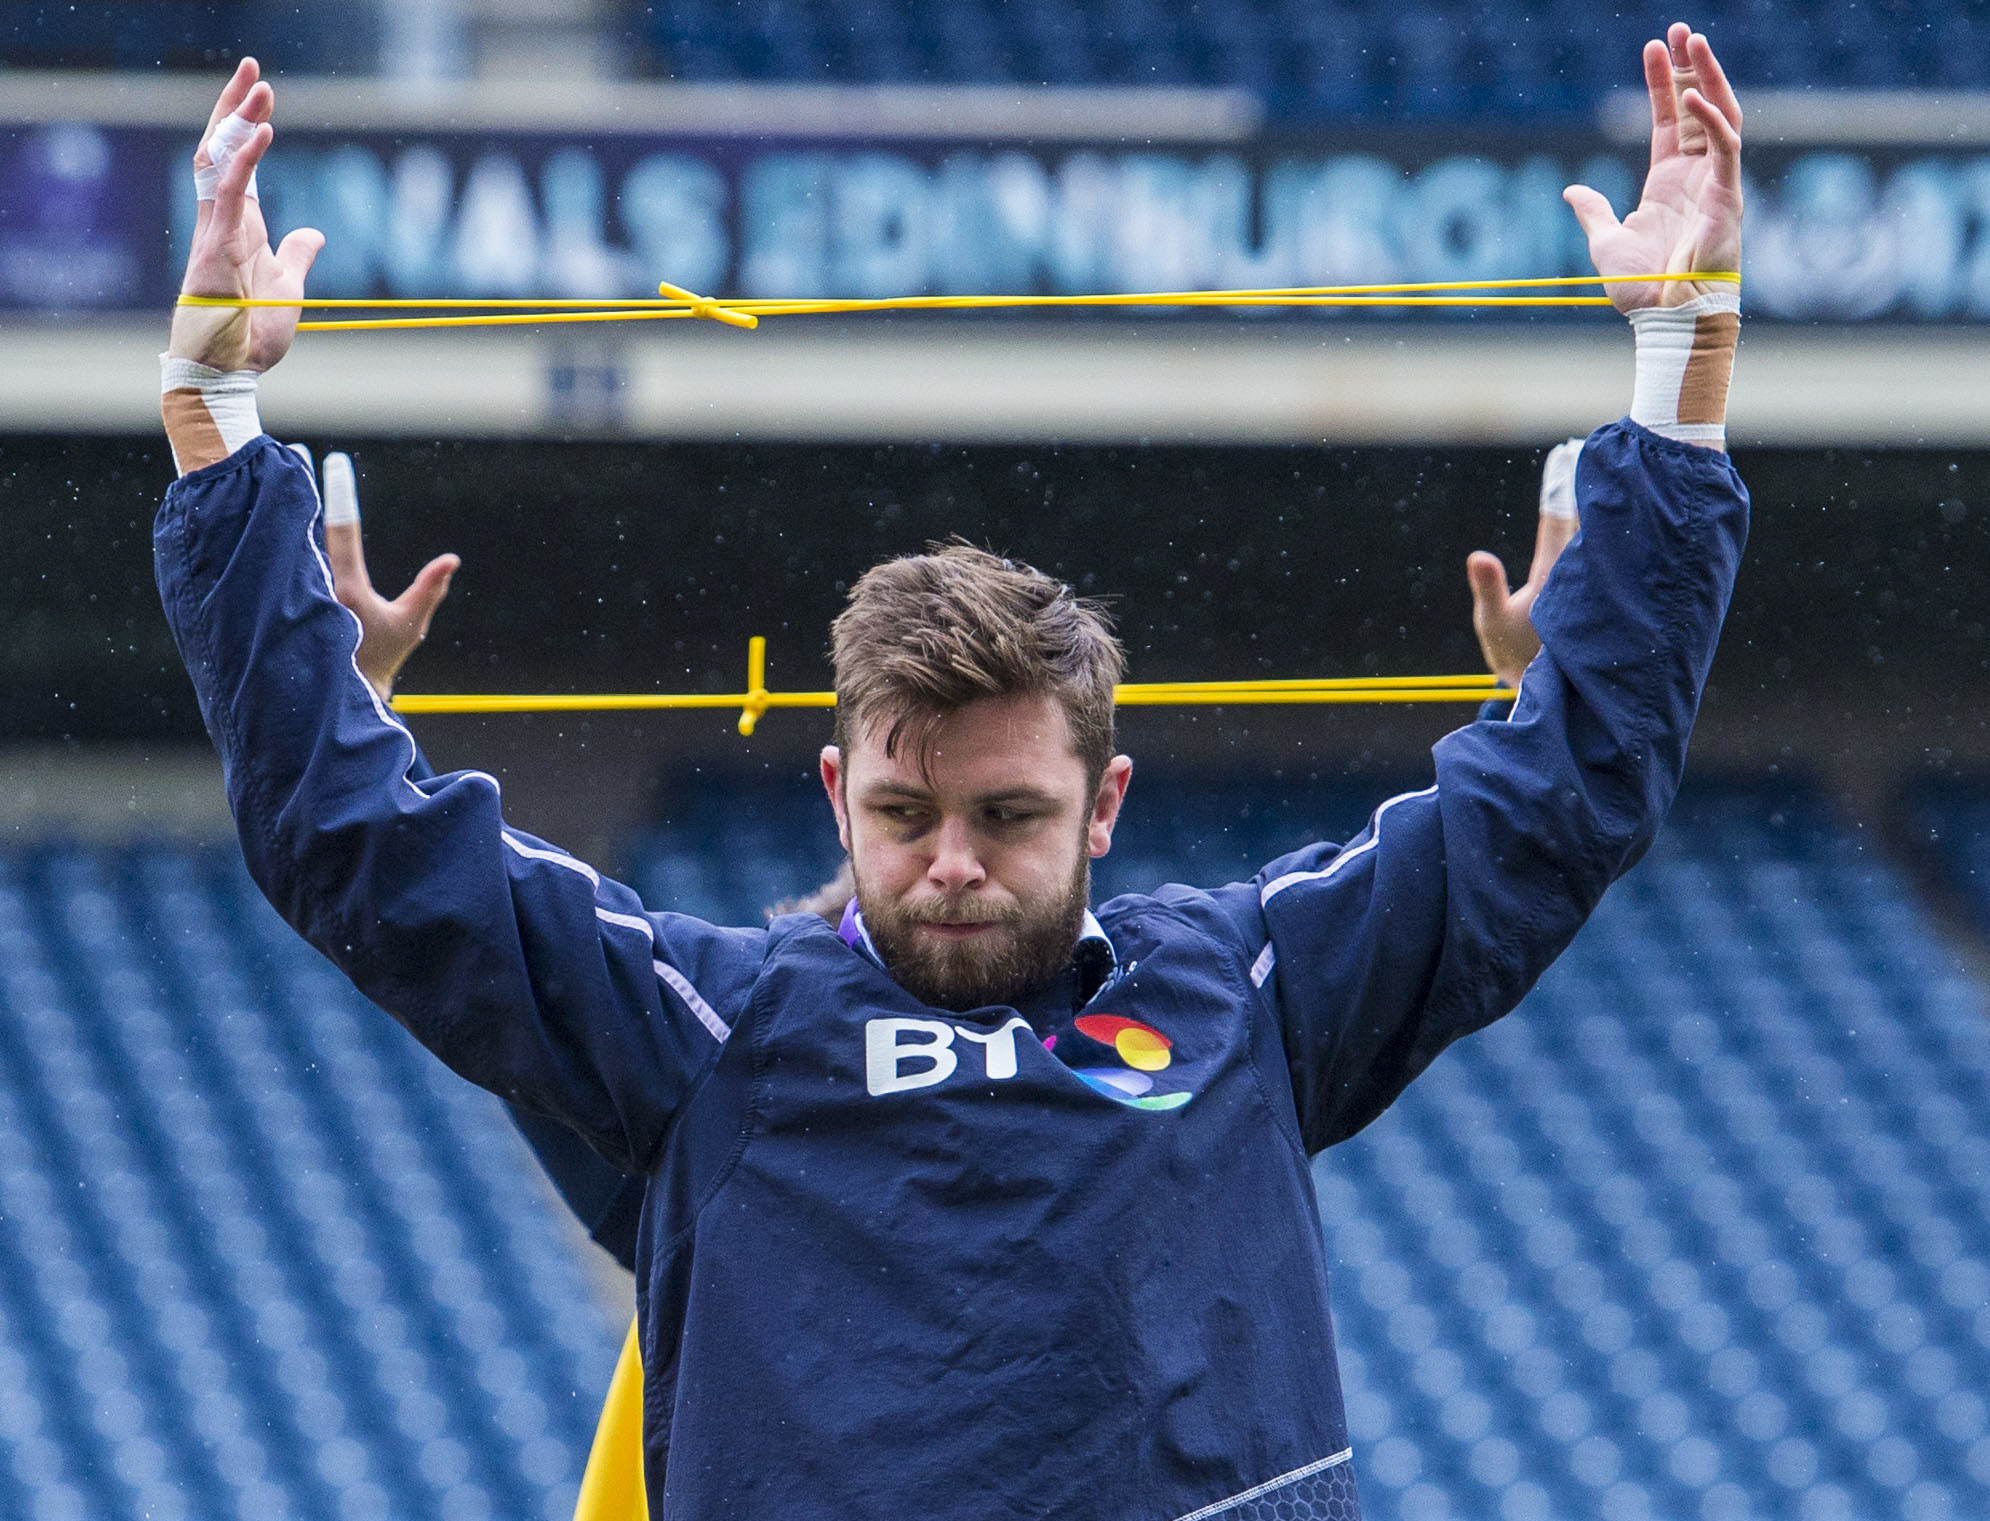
832 783
1106 805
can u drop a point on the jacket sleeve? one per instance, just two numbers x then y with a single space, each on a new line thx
606 1201
522 968
1440 916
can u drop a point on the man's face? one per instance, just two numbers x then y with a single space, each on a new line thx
973 869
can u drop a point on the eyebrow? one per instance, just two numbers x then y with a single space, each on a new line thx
881 791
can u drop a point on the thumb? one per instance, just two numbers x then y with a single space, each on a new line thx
1487 576
1592 210
425 593
299 251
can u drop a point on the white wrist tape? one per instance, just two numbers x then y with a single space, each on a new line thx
230 135
1558 480
341 492
209 413
1685 361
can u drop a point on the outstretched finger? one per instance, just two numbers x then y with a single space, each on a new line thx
234 92
1486 574
1551 537
348 557
231 191
259 105
1723 142
226 135
341 489
1713 80
1677 36
1664 102
343 546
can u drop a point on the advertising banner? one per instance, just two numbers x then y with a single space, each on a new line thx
95 218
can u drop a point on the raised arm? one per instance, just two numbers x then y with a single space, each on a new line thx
520 966
1441 915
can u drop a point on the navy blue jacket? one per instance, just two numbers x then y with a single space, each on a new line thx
900 1262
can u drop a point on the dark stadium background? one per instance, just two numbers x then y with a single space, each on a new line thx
1856 654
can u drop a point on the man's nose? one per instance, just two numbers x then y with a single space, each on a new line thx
956 864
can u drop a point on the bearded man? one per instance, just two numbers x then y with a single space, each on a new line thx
983 1205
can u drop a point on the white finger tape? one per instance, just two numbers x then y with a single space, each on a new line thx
1558 480
341 490
230 135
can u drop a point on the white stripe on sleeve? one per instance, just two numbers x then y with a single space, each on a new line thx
1261 968
558 858
627 921
1278 884
706 1014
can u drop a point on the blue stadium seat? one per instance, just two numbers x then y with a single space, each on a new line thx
1947 824
1338 60
280 1263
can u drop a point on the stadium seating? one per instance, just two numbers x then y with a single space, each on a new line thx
1947 824
263 1257
1365 60
1699 1233
1339 60
201 36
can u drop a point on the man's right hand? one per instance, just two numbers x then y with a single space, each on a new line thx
1501 617
231 255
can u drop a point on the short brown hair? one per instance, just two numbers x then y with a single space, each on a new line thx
927 634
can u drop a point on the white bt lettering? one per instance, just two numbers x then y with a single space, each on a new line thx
927 1046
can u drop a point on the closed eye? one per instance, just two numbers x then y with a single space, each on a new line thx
1012 816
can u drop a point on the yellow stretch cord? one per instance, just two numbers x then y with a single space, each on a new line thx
676 302
757 700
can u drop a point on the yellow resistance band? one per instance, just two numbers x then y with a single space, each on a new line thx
676 302
756 700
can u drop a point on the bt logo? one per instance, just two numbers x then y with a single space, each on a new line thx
890 1043
901 1054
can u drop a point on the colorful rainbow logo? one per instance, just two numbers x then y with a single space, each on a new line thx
1143 1048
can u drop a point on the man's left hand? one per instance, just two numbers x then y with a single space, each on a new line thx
1689 217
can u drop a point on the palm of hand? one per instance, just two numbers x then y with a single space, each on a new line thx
1506 636
238 262
389 633
1687 220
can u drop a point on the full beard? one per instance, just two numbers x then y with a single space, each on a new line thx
1032 943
